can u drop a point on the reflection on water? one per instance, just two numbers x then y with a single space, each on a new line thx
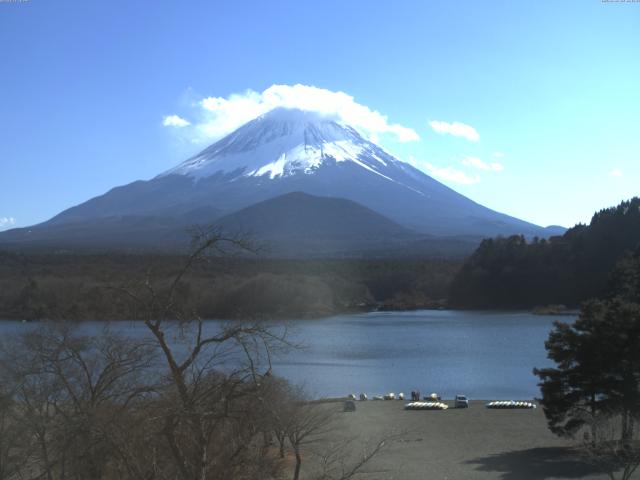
485 355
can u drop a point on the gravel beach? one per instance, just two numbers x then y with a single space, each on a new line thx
476 443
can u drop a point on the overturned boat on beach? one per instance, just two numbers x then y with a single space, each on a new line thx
426 406
511 404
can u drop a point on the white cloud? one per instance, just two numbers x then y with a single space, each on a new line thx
449 174
456 129
222 115
498 155
452 175
6 222
616 172
476 162
175 121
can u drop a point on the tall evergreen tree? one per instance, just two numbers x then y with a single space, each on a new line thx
597 360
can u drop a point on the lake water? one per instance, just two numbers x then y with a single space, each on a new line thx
485 355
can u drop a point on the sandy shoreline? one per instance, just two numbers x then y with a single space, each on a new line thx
477 443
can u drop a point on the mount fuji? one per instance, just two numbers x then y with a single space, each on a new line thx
341 181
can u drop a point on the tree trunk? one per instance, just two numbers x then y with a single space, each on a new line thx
45 457
203 450
281 442
296 472
626 430
594 429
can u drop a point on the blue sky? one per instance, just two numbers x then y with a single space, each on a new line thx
551 90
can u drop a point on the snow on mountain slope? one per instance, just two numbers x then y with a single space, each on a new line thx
285 142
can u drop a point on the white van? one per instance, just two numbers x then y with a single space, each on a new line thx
461 401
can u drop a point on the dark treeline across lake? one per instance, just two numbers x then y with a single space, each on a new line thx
485 355
78 287
585 262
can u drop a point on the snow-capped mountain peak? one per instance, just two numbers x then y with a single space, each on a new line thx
285 142
275 155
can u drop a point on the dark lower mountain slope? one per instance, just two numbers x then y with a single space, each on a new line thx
291 225
126 233
298 221
130 232
301 214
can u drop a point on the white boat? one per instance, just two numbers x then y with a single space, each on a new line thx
426 406
510 404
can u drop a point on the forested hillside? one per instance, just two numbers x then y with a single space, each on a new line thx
515 273
81 287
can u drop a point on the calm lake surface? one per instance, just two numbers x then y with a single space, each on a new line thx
485 355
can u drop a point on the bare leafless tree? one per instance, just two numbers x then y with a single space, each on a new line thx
73 394
14 441
336 458
208 398
307 424
311 429
613 444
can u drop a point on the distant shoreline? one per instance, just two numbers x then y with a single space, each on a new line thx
321 315
449 402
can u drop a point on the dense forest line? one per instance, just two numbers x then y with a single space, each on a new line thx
515 273
512 272
79 287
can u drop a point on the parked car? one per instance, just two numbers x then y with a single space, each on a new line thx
461 401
